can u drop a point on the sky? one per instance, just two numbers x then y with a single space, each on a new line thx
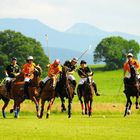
109 15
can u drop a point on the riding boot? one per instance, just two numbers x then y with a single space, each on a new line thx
95 89
74 85
41 84
26 94
8 87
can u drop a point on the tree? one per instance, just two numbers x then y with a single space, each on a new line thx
15 44
113 50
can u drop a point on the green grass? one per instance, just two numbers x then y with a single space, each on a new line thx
107 121
59 127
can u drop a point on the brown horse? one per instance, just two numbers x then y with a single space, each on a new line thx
65 89
33 90
6 96
47 94
86 92
132 89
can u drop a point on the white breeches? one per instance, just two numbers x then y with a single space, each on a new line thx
27 79
128 76
8 79
82 80
70 77
46 79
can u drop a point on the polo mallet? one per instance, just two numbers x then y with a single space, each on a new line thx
84 53
48 48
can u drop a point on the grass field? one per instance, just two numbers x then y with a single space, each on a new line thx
106 122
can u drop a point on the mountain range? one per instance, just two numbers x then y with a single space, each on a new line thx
64 45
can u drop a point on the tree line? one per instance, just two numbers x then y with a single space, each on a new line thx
15 44
113 51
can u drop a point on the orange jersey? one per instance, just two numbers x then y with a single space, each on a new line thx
53 70
133 62
28 69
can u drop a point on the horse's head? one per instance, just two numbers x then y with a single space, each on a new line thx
133 71
37 71
63 73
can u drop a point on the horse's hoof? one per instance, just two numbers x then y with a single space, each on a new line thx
63 109
3 114
129 112
11 110
47 115
89 114
137 107
16 117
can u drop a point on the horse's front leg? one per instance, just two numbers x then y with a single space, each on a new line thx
69 107
37 105
85 102
42 108
63 108
49 107
137 102
81 101
16 109
90 107
6 102
128 106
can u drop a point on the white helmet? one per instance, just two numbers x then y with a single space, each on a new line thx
57 61
75 59
130 54
30 58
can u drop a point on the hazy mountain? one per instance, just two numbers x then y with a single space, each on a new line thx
70 43
96 33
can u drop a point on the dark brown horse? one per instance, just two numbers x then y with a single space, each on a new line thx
65 89
6 96
47 94
132 89
86 92
33 90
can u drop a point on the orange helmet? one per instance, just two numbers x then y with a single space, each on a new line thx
56 62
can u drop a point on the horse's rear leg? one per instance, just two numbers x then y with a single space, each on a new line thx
37 105
137 103
90 108
85 107
49 108
4 106
42 108
82 104
128 106
63 108
16 110
69 107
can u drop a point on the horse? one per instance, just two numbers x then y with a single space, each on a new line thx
132 89
6 96
65 89
87 93
47 94
17 89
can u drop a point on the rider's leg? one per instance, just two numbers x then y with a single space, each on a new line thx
95 88
26 85
73 81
